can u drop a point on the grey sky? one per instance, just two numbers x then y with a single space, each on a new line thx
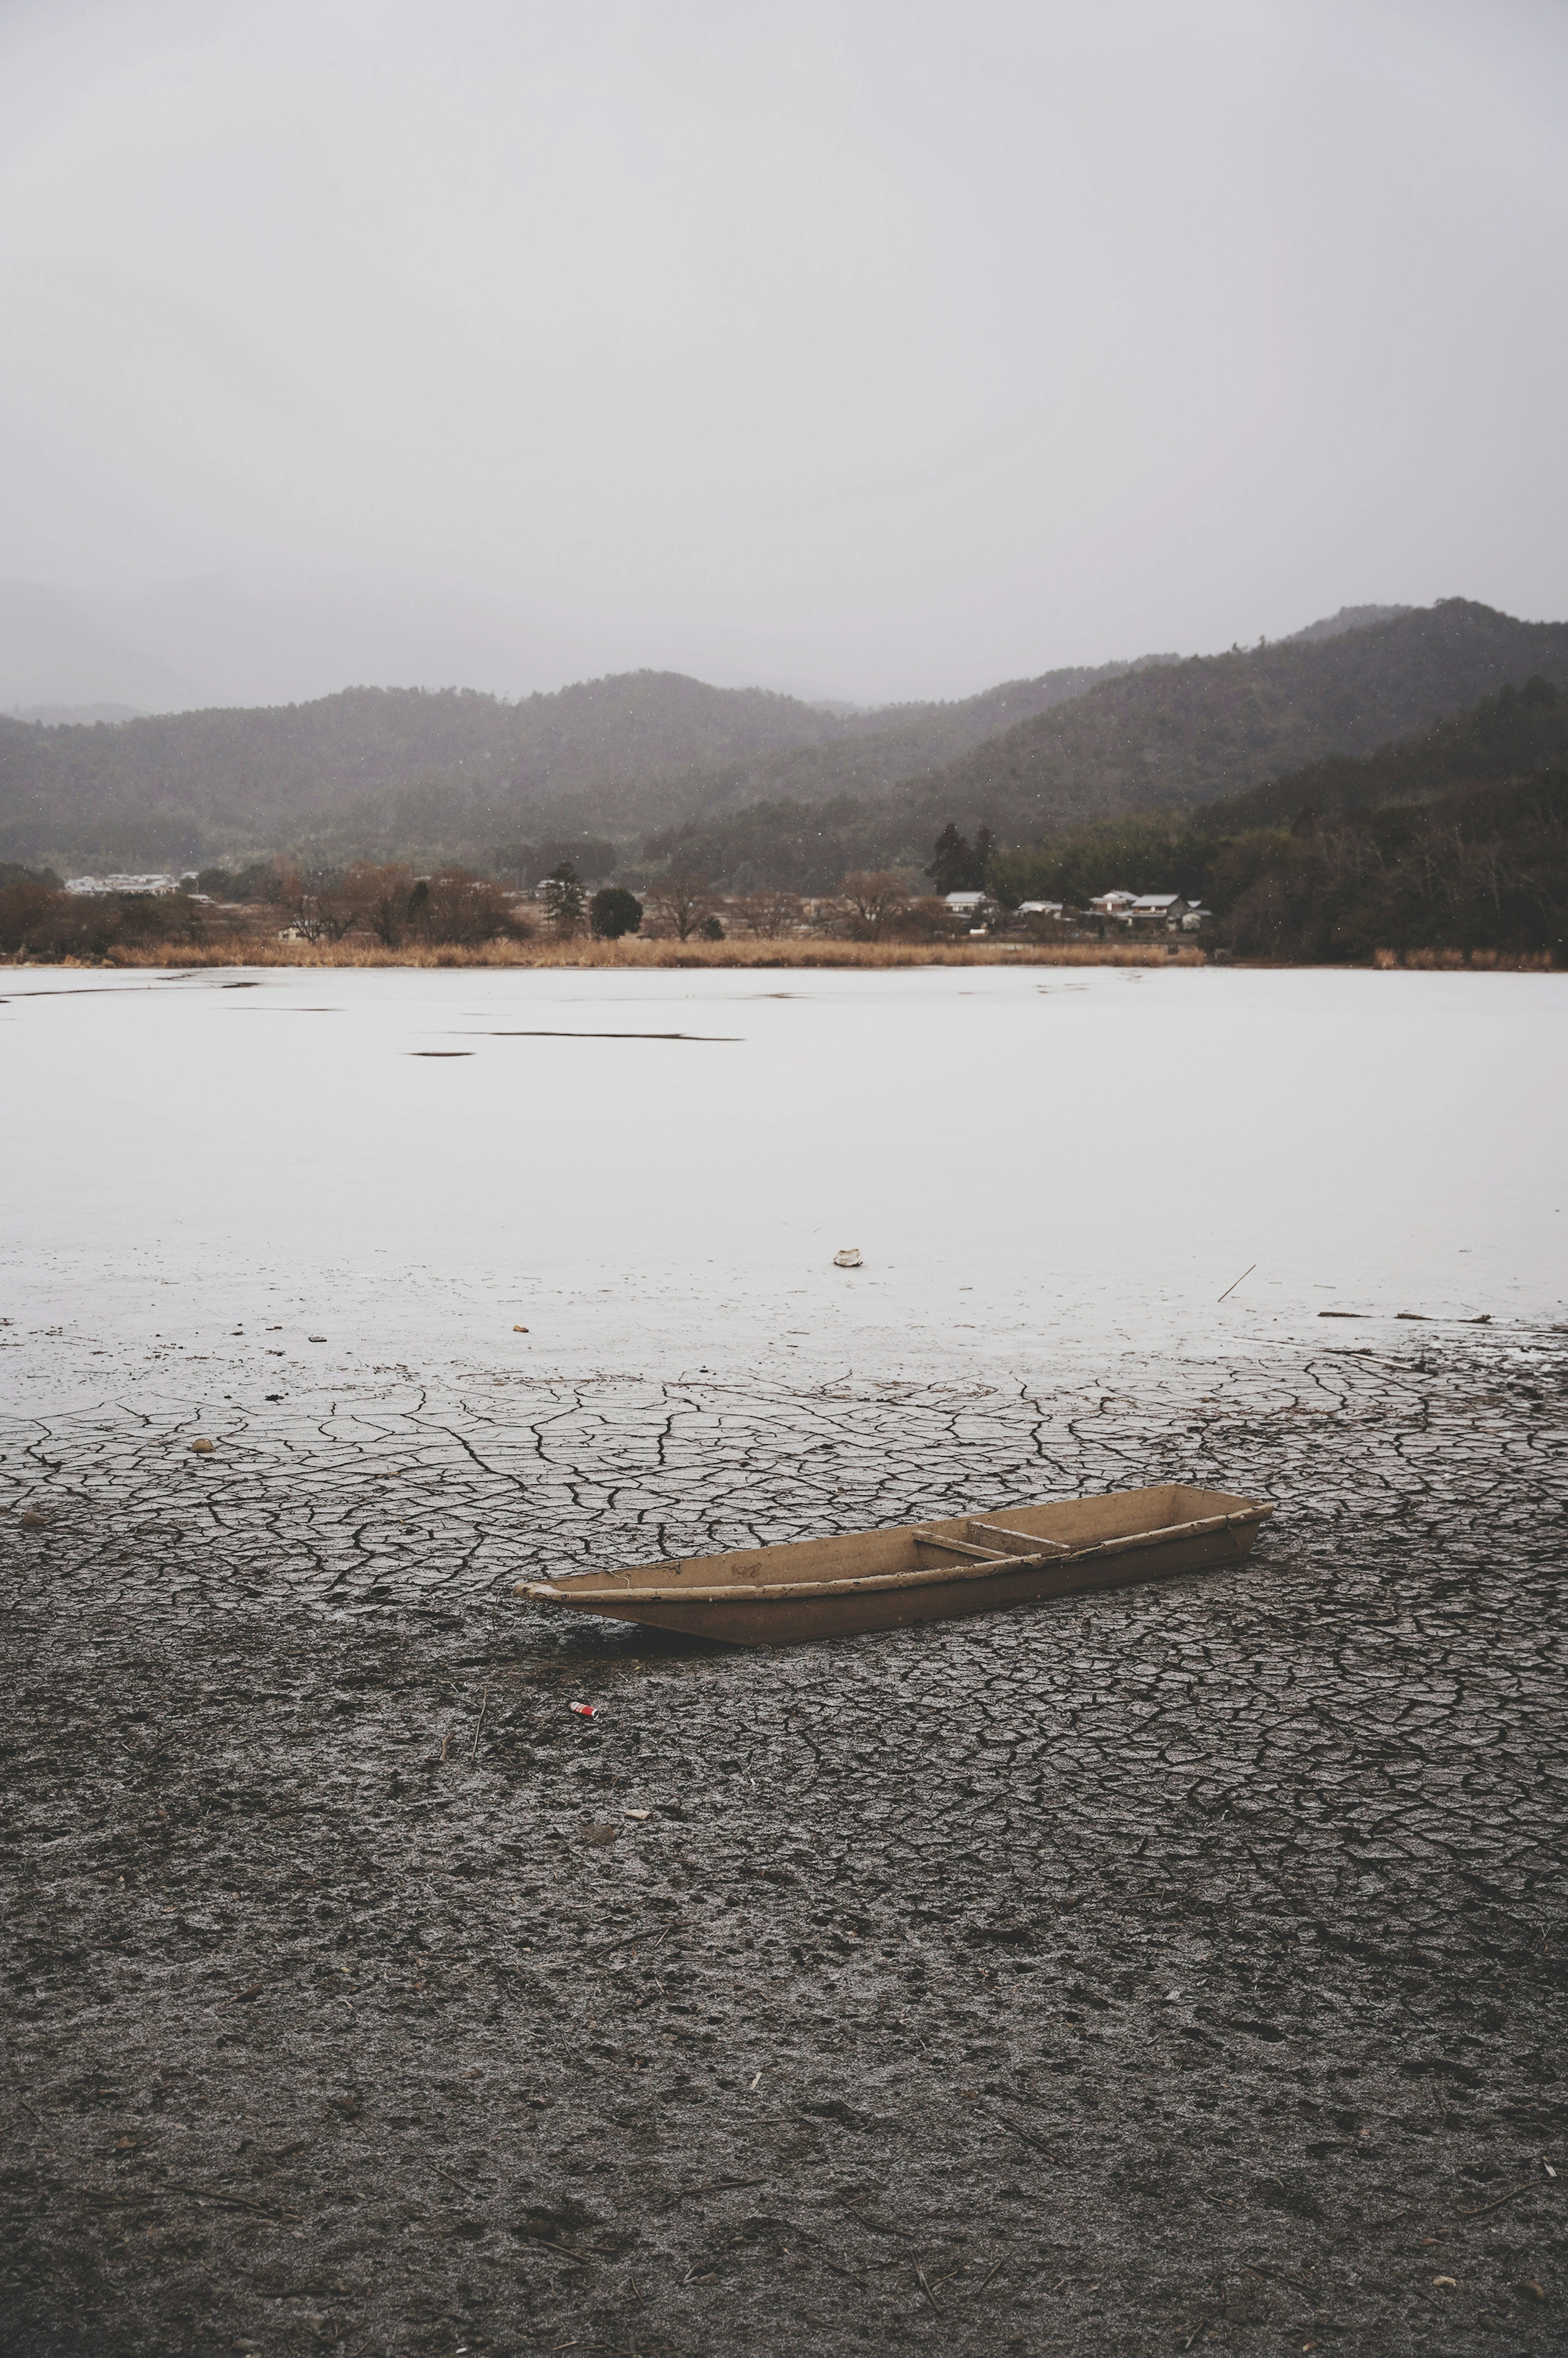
880 348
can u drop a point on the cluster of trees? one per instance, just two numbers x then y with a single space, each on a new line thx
959 866
39 919
393 907
1172 737
387 771
1485 867
453 907
1456 839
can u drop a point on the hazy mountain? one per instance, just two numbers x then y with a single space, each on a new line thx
1173 738
1349 618
74 716
1213 852
1513 734
182 785
456 773
1220 723
749 785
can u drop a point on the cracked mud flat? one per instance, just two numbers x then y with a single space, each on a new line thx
1172 1969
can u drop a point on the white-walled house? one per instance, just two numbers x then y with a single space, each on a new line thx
91 886
1168 909
1113 904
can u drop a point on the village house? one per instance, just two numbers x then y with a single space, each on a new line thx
93 886
1168 909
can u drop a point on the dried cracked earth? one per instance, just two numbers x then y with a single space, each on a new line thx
1172 1969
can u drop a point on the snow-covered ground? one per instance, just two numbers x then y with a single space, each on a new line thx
413 1165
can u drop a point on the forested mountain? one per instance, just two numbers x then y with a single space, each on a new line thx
1457 838
176 786
1173 738
1509 735
387 771
1220 723
1478 868
1349 618
748 787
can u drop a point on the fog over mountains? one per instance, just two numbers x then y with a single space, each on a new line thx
747 785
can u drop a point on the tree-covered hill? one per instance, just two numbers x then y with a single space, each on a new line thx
1171 738
173 786
1222 723
748 787
1457 839
1509 735
394 773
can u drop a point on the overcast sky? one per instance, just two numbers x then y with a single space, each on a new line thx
877 348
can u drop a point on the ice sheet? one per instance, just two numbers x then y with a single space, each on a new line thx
408 1164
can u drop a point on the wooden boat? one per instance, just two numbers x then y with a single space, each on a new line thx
921 1572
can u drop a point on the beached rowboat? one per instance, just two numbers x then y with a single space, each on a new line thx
921 1572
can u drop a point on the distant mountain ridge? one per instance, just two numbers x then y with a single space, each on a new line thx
393 770
1349 618
1483 761
746 785
1173 738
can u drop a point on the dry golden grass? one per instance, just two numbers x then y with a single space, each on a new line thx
1419 961
253 950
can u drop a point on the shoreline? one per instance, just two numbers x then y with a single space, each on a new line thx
656 956
632 956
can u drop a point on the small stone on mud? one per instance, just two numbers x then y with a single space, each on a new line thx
520 1330
33 1521
202 1448
600 1833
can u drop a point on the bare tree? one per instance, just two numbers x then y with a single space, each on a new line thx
317 902
929 919
680 904
382 894
458 907
769 913
875 899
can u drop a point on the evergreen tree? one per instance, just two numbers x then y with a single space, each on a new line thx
564 903
613 911
952 861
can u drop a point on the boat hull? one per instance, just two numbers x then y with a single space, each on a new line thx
844 1586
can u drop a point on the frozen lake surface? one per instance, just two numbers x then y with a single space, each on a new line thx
652 1173
1213 1878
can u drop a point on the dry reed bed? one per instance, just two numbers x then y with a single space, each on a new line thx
1419 961
267 951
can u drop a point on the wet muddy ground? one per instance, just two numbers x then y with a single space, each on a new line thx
1175 1969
